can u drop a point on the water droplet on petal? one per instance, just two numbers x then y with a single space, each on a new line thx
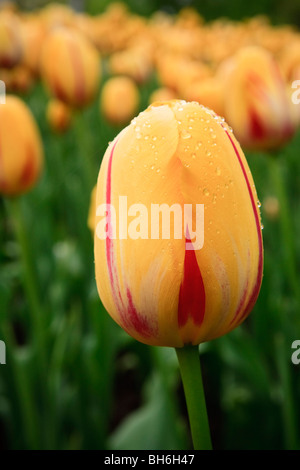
185 134
206 192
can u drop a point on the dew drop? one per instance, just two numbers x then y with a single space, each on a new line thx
258 204
218 171
193 156
262 226
185 135
206 192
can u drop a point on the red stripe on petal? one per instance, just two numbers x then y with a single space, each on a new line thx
139 323
76 60
257 128
192 293
109 240
256 289
131 319
29 170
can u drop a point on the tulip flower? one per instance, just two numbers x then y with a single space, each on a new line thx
10 41
257 103
162 94
160 283
70 67
119 101
209 92
21 152
59 116
178 153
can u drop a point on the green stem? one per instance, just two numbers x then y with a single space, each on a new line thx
189 363
22 386
288 239
30 281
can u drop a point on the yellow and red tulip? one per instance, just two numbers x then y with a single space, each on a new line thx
70 67
257 102
209 92
21 152
163 94
59 116
119 101
160 293
10 41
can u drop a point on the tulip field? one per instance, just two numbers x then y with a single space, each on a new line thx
96 332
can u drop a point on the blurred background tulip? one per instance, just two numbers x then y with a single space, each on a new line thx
119 100
59 116
10 40
70 67
257 104
21 159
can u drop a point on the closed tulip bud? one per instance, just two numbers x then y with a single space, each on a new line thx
59 116
209 92
21 152
10 41
70 67
163 94
271 207
178 241
257 103
119 101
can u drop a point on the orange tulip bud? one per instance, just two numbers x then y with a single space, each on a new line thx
163 94
10 41
59 116
209 92
70 67
178 241
21 152
119 100
257 103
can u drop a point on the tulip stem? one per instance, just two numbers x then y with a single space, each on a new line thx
30 281
190 369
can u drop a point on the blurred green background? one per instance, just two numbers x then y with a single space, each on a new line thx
96 388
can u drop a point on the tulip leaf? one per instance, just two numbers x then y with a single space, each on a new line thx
152 426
